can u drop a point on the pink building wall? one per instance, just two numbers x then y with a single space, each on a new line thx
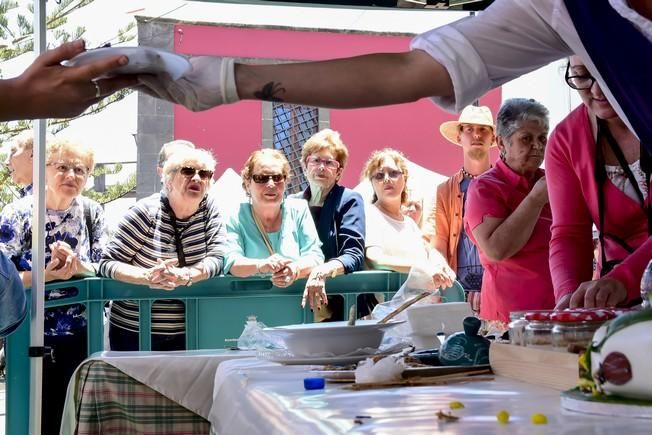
233 131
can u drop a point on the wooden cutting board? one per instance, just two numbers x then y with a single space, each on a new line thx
548 368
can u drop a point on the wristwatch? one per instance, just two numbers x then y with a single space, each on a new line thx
189 281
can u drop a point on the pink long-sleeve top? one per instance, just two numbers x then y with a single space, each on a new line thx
573 193
522 281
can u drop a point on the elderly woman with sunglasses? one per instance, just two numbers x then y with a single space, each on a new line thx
508 217
271 235
169 239
74 240
338 213
394 241
599 174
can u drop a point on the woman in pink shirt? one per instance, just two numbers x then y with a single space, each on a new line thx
593 158
507 215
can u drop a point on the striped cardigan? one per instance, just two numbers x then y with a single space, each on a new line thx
146 235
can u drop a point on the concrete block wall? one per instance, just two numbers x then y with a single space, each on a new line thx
155 117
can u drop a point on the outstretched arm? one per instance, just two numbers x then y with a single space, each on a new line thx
46 89
362 81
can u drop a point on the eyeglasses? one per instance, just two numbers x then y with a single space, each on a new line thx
579 82
189 172
264 179
393 174
63 168
328 163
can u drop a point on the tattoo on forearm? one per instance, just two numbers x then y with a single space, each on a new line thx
270 92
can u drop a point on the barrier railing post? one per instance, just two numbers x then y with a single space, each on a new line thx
145 327
95 318
18 377
192 329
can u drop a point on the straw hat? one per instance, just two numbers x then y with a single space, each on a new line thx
480 115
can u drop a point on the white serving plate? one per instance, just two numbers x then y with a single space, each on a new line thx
329 339
317 361
142 60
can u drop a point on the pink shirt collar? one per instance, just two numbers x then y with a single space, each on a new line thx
517 180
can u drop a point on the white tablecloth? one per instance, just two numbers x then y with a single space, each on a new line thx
257 397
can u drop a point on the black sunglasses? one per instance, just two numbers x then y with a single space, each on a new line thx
578 82
264 179
189 172
393 174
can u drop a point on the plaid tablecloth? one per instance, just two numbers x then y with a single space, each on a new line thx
109 401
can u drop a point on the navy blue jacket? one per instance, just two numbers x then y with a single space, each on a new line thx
341 226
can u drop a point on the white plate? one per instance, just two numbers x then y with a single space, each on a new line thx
318 361
142 60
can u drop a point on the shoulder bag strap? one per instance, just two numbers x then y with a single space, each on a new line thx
177 237
600 178
88 219
262 231
604 131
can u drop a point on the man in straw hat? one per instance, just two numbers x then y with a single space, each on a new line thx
444 230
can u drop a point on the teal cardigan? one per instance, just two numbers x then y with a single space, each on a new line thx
296 239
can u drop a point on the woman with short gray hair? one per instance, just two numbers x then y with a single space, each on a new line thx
508 216
170 239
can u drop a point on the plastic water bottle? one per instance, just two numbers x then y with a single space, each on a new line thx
646 286
250 335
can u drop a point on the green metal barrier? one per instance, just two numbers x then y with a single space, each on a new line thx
216 309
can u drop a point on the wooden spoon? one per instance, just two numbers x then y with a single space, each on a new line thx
405 305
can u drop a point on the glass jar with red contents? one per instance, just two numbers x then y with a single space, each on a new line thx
538 332
573 328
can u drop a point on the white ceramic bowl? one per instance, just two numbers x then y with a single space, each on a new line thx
428 320
331 338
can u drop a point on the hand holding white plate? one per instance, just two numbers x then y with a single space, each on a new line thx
209 83
142 60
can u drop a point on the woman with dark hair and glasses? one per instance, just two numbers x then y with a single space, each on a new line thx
271 235
394 241
169 239
599 174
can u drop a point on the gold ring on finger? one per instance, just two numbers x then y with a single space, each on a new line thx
98 91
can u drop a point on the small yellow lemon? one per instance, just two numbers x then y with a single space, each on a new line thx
539 419
503 416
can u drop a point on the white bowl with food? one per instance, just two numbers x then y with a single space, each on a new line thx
331 338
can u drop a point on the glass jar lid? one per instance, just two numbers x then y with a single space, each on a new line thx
541 316
582 315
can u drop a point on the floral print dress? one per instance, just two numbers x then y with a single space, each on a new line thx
60 225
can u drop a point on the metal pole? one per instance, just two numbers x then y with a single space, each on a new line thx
38 245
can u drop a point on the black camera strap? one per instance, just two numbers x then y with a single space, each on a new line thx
601 178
